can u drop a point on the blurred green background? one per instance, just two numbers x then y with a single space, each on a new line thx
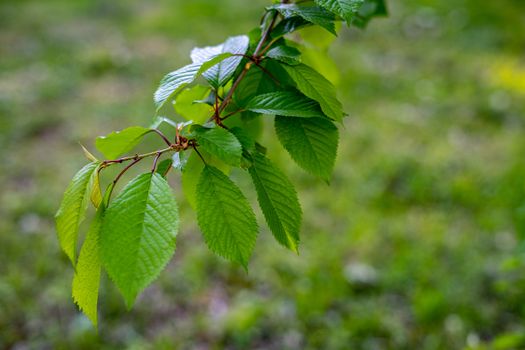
417 243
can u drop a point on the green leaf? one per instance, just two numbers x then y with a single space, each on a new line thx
287 103
311 142
219 143
244 138
225 217
191 173
318 38
248 145
187 106
256 82
317 87
119 142
322 62
175 81
286 54
289 25
278 201
95 194
164 167
314 14
346 9
86 280
190 178
72 209
220 74
138 234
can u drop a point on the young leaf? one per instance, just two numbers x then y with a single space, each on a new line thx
138 234
278 201
220 74
88 154
219 143
86 280
346 9
311 142
119 142
225 217
175 81
287 103
186 105
72 209
317 87
287 54
95 194
164 167
314 14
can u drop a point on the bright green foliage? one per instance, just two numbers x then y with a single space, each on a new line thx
164 167
311 142
96 194
287 103
246 141
278 201
192 171
186 105
314 14
289 25
225 217
286 54
138 234
190 178
317 87
72 209
255 83
221 73
119 142
175 81
219 143
87 274
132 237
346 9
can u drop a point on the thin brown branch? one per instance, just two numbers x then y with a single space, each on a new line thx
155 160
107 163
267 72
158 132
122 173
233 113
198 153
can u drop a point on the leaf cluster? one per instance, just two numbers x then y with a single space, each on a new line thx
221 95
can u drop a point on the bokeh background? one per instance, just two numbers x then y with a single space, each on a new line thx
417 243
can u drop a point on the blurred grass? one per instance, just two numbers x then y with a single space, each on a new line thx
417 243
